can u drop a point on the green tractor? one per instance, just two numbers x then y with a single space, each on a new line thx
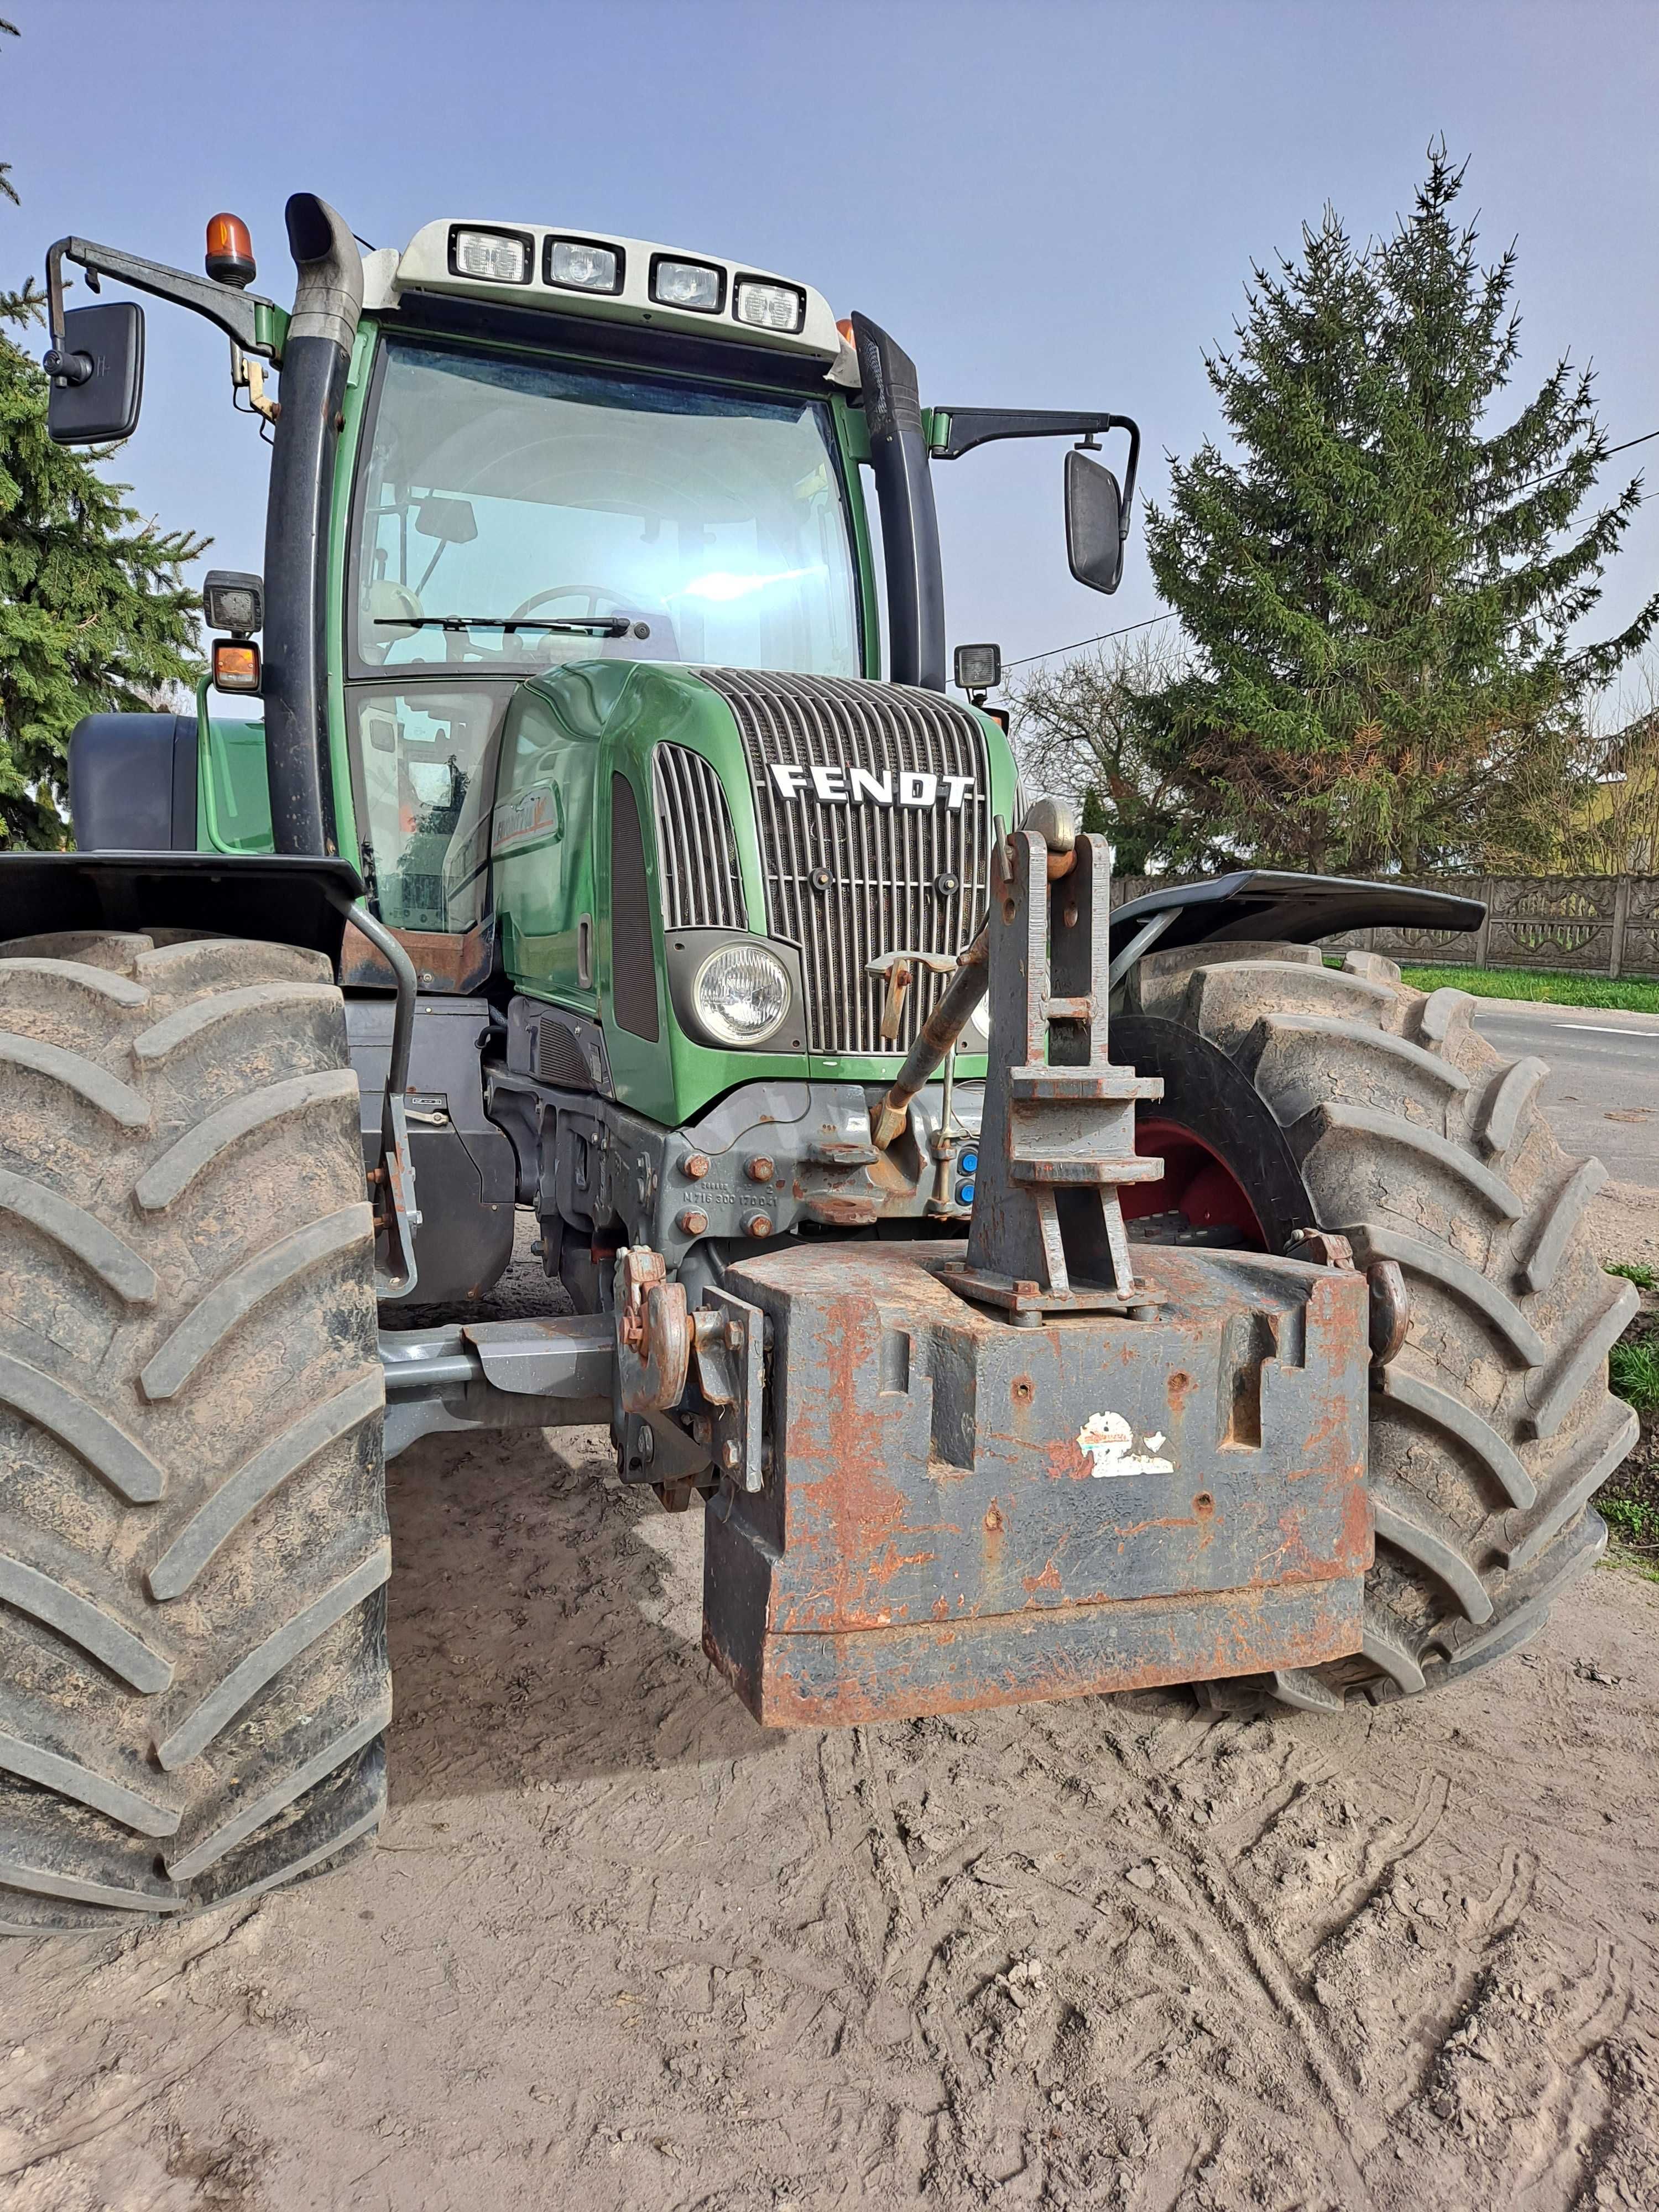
1041 1298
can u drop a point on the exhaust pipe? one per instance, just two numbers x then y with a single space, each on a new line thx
909 526
327 303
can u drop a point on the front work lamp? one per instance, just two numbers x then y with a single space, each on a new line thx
978 667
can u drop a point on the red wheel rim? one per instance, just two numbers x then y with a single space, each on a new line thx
1197 1183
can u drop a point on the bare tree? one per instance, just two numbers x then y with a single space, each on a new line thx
1613 829
1080 730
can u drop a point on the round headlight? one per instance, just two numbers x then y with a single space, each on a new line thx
976 1036
741 994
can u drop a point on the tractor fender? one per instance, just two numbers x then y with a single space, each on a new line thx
1267 905
273 898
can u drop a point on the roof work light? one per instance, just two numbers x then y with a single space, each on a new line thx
769 306
498 257
690 285
582 265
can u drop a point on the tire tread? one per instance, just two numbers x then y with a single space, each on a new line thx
187 1314
1492 1427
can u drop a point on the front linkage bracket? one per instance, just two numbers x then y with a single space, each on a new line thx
683 1392
1057 1139
530 1374
731 1340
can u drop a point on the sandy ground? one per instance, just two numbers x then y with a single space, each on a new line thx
620 1948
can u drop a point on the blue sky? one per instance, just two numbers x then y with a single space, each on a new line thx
1050 204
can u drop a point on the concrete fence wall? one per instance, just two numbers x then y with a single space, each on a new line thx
1588 924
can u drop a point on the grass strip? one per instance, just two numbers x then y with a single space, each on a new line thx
1629 1500
1628 995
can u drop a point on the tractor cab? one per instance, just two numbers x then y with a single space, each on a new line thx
555 461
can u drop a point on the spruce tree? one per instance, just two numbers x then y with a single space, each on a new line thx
95 613
1377 580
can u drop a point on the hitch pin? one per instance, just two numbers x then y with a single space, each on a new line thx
897 971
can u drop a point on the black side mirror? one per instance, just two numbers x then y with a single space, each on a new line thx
1094 523
97 375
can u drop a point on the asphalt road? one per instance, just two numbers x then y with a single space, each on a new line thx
1602 1093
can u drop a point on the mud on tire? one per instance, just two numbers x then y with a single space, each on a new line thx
193 1543
1377 1111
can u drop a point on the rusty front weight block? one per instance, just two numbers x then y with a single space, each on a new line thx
959 1512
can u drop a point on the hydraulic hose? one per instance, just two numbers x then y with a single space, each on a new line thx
939 1032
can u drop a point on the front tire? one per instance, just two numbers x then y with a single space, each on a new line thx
1343 1100
193 1540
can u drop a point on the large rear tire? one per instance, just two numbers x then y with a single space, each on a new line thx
1346 1101
193 1542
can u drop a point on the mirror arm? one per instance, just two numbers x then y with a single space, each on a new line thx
1134 429
67 368
968 427
238 313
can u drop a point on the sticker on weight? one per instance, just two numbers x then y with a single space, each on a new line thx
1109 1440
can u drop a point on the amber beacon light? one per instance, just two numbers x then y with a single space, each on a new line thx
229 251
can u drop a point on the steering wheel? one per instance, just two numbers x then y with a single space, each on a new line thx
657 622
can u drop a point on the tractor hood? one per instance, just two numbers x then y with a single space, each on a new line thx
845 817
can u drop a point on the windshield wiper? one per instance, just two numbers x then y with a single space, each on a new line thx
565 625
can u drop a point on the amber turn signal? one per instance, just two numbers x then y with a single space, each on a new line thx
235 664
229 257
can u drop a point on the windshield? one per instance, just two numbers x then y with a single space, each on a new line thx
611 514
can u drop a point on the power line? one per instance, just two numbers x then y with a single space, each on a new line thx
1152 621
1550 475
1025 659
1628 442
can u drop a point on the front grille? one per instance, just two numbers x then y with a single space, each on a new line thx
696 852
884 872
